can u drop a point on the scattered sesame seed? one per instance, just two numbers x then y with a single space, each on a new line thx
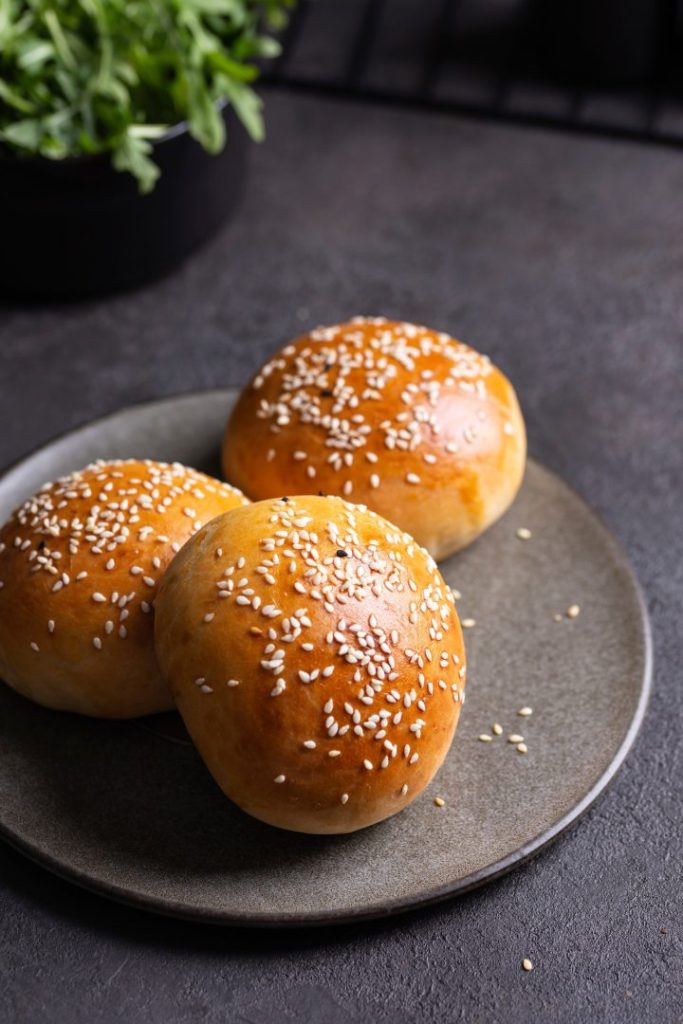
468 623
34 646
412 478
345 798
514 737
50 625
522 748
484 738
523 533
497 729
310 744
232 683
333 753
525 712
368 764
439 801
404 789
209 617
97 643
279 779
573 611
527 964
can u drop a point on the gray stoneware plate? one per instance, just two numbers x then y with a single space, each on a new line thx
128 810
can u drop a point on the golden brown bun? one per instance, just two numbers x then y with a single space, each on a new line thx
80 564
406 420
315 654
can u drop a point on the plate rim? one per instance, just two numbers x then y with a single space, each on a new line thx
387 908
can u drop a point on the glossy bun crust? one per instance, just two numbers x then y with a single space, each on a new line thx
315 654
406 420
80 565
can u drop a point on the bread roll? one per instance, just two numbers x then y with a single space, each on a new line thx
315 654
80 565
406 420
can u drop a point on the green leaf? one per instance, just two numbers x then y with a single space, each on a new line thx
13 99
232 68
205 122
25 134
247 107
133 154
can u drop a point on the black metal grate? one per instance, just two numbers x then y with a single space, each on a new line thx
490 58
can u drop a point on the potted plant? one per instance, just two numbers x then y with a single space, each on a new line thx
121 147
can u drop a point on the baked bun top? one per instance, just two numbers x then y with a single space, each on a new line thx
387 414
315 654
80 564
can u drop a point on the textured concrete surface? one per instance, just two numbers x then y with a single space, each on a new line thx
559 256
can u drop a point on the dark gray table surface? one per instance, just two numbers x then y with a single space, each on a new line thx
561 257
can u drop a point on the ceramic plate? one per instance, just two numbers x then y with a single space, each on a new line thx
128 810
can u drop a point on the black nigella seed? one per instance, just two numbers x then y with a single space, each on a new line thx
284 499
341 553
326 393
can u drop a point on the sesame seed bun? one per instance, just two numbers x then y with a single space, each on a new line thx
80 564
388 414
315 654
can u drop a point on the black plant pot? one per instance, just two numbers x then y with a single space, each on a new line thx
77 227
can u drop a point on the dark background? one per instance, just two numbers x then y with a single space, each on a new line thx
561 257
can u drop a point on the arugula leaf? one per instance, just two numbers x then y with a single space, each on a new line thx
80 77
132 154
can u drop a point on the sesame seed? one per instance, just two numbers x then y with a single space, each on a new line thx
310 744
485 738
412 478
232 683
497 729
333 753
345 798
99 598
97 643
34 646
573 611
514 737
527 964
468 623
439 801
374 480
51 625
522 748
525 712
368 764
109 564
404 789
279 779
209 617
523 533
